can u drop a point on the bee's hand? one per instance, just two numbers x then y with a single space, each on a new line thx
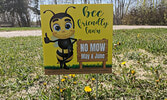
46 39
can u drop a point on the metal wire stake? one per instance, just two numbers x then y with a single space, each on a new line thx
59 88
96 86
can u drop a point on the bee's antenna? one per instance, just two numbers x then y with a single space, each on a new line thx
50 11
69 7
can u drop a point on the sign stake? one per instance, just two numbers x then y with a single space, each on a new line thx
96 86
59 88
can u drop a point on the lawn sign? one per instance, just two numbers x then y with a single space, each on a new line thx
77 39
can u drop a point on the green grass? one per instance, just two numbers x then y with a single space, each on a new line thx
18 28
22 72
152 40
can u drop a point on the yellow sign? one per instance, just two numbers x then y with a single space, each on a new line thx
77 38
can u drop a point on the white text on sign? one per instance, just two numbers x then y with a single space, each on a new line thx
94 47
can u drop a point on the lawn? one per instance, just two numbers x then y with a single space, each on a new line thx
18 28
139 70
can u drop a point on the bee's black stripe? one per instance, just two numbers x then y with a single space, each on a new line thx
65 54
65 61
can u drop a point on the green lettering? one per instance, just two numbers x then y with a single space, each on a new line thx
93 13
78 22
85 12
100 13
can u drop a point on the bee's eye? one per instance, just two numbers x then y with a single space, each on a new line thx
56 27
68 26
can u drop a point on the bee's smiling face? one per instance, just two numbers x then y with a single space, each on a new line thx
62 28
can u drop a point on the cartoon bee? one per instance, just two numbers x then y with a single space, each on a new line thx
62 28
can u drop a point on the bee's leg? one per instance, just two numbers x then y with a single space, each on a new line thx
61 64
65 66
63 55
64 60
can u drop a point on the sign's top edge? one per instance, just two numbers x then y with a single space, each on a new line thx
75 4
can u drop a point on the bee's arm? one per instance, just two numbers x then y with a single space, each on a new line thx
53 40
74 40
47 40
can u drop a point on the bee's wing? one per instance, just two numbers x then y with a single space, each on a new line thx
56 43
72 37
